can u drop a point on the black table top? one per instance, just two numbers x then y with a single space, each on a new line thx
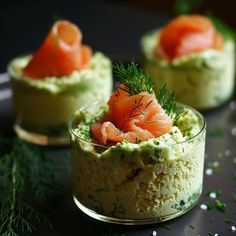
116 30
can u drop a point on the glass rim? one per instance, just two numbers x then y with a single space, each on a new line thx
202 128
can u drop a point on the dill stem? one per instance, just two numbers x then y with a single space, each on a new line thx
12 209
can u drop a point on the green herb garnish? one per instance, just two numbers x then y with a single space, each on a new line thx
221 27
220 205
28 186
186 6
216 191
209 206
137 81
166 100
165 226
134 78
211 234
216 131
229 222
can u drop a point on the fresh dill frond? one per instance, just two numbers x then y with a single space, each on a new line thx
186 6
133 78
221 27
28 186
166 100
136 81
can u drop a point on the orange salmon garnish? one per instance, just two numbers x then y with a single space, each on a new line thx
187 34
60 54
136 117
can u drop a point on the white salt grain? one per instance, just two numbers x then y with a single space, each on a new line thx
227 152
233 131
154 233
233 228
209 171
216 164
203 206
212 195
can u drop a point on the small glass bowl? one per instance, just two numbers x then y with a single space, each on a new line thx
129 185
203 80
44 107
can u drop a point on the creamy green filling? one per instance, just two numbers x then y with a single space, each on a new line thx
45 106
207 59
202 80
98 69
154 150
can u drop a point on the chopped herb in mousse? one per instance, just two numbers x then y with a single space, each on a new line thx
150 163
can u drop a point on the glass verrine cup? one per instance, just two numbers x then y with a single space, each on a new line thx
139 183
203 80
44 106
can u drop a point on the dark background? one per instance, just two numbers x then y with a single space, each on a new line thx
111 26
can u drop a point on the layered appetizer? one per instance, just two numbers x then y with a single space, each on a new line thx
139 158
60 77
193 59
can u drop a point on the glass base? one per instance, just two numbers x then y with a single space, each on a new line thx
122 221
41 139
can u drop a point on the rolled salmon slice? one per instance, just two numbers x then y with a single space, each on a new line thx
187 34
60 54
137 117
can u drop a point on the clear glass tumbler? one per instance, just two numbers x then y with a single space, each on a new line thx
129 183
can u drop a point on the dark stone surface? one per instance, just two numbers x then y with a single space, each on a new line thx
116 31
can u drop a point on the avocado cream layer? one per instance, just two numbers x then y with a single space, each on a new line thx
202 80
44 106
157 178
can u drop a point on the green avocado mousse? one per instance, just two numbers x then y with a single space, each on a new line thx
193 59
139 158
60 77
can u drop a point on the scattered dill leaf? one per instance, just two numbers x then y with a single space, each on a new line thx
216 131
223 28
209 206
229 221
220 205
165 226
134 78
28 186
192 226
186 6
166 100
211 234
56 18
216 191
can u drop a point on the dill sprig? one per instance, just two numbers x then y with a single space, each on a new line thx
135 111
221 27
186 6
136 81
134 78
166 100
28 185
